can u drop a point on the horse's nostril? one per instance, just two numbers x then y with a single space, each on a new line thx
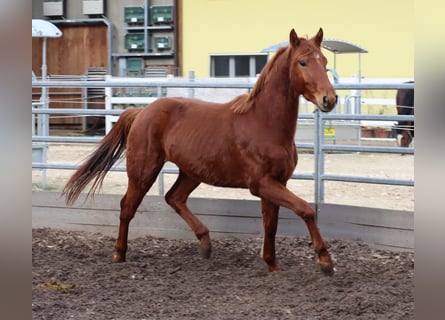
326 100
329 102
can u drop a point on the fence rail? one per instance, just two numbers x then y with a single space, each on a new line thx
117 82
319 146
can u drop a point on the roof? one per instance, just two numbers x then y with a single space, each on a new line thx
340 46
45 29
333 45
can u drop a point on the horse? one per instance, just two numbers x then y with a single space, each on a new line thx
405 106
247 142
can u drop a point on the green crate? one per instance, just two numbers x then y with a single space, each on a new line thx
134 41
161 14
162 42
135 64
134 14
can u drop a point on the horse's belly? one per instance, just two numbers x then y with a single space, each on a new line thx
216 171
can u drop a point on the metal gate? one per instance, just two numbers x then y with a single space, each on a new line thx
320 122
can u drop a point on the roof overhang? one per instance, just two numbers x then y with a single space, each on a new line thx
340 46
333 45
275 47
45 29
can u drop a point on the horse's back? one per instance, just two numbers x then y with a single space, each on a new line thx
191 107
196 135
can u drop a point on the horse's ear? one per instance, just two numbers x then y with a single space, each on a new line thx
318 38
293 39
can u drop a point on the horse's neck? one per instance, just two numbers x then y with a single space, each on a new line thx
277 103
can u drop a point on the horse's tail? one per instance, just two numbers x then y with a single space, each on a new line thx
102 159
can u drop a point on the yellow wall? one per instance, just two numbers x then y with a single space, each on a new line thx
384 27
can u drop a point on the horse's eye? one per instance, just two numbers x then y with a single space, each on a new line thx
302 63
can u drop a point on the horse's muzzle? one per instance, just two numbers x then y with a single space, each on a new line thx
329 103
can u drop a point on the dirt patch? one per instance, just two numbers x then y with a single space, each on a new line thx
74 278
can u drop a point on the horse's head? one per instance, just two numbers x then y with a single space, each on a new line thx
308 71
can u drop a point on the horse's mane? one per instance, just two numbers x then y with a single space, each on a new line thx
243 105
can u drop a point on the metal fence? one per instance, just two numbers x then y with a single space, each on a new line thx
319 120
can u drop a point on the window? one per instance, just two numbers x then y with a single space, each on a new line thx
242 66
237 65
220 66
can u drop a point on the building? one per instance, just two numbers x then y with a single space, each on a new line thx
384 28
219 38
184 35
120 36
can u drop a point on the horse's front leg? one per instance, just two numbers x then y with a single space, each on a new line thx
278 194
270 223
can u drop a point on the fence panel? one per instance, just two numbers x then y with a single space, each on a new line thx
316 121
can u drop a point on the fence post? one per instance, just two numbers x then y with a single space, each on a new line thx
317 161
43 123
191 79
161 183
321 158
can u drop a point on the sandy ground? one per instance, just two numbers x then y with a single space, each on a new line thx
74 278
360 164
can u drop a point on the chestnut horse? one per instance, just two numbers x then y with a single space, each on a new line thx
245 143
405 106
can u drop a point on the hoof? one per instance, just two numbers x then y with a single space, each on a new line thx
274 268
205 252
327 269
117 257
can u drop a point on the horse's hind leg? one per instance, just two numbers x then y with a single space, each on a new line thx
176 197
138 186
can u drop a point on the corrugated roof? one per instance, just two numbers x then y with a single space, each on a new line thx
340 46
